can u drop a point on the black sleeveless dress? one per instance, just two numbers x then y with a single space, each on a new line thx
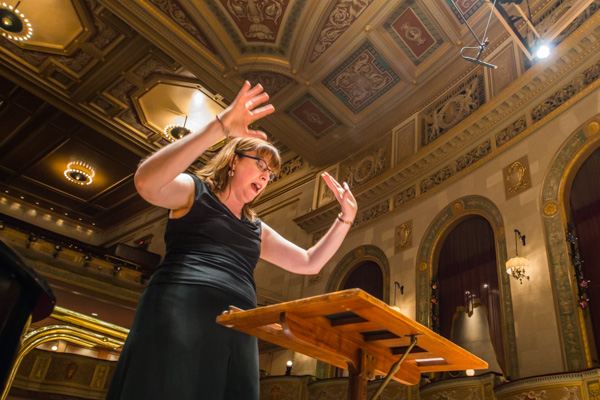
175 349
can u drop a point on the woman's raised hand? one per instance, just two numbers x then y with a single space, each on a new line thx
343 195
243 111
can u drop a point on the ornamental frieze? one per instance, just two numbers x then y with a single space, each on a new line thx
452 109
404 196
579 83
458 165
510 132
365 165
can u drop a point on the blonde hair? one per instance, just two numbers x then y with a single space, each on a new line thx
216 172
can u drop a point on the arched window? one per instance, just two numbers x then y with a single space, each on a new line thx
468 278
366 276
585 212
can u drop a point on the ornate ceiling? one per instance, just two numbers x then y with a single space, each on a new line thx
100 79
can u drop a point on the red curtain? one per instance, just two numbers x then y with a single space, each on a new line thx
467 271
585 210
368 277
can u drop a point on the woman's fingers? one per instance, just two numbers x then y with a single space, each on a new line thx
262 112
257 134
343 195
254 90
333 185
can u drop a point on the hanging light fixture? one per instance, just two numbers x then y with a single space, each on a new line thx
175 132
13 24
79 172
517 266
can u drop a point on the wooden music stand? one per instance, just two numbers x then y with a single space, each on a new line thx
356 331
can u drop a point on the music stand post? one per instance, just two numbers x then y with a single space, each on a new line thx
353 330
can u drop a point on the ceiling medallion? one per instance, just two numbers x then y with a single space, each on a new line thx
14 25
79 172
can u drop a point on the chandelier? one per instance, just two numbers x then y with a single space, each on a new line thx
79 172
175 132
13 24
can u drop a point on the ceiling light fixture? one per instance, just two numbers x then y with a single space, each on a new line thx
537 40
175 132
79 172
13 24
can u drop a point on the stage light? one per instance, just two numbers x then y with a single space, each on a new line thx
543 51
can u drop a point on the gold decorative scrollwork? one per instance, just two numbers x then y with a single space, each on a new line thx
403 236
516 177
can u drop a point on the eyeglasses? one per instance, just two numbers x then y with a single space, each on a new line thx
261 164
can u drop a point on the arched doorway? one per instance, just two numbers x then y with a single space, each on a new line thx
469 294
367 275
429 254
584 201
573 323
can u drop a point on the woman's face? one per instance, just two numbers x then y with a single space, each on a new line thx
251 176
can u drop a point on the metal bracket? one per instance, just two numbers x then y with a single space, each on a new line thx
395 367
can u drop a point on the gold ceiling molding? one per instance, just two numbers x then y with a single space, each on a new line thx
576 55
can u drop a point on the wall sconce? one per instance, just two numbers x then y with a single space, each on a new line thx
288 368
396 287
517 266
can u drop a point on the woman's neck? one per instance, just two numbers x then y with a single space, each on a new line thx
230 202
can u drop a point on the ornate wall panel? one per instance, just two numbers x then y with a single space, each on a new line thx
455 167
367 164
455 106
404 142
475 388
578 84
575 386
285 387
511 131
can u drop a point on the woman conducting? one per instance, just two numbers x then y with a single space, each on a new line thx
175 349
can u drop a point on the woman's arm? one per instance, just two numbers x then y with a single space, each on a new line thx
160 180
285 254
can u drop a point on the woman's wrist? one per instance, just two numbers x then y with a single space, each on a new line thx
225 130
341 218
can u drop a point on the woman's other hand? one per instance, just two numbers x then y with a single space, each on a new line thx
243 111
343 195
